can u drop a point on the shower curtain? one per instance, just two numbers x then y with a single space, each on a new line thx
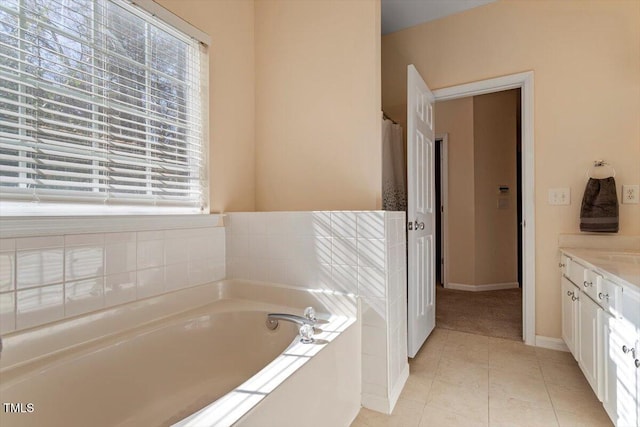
394 174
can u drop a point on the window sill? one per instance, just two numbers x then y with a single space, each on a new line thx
12 227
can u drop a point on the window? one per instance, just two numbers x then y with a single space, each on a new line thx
102 110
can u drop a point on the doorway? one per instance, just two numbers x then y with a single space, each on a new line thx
483 296
526 222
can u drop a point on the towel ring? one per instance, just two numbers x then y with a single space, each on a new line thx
598 164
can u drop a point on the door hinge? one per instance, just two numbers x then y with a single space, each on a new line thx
410 226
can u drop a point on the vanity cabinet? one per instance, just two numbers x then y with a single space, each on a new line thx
601 327
570 295
588 313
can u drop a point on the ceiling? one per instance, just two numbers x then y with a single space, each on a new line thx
401 14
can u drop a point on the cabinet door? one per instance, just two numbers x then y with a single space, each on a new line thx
622 338
588 340
569 314
608 372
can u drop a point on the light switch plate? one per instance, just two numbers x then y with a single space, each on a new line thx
560 196
630 194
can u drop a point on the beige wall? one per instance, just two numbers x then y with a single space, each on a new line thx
455 118
230 24
585 56
318 120
482 239
495 143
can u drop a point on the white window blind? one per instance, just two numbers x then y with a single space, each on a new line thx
101 105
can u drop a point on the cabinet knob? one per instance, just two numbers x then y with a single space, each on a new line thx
603 296
569 293
561 264
631 350
587 284
574 298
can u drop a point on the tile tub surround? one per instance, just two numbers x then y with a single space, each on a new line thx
48 278
361 253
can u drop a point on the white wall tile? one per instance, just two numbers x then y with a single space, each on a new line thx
374 369
278 271
83 261
279 246
143 236
7 271
374 389
199 248
150 282
344 251
371 253
238 222
126 237
176 276
84 239
200 271
120 257
119 288
301 224
237 245
39 267
258 222
371 282
278 223
375 343
7 244
176 251
84 296
258 246
345 278
370 225
150 253
321 224
374 312
39 305
39 242
217 246
343 224
7 312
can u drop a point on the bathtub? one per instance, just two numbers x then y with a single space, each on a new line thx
196 357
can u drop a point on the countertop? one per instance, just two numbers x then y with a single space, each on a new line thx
621 265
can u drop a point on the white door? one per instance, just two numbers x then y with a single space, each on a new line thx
420 211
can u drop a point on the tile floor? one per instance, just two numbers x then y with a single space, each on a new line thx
492 313
467 380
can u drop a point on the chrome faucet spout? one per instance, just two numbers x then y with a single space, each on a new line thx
298 320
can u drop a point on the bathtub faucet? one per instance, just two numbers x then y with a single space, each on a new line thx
305 323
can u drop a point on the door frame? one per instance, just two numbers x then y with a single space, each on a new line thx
523 81
443 140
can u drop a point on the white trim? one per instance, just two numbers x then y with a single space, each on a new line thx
444 200
524 81
551 343
398 387
12 227
483 287
172 19
375 403
386 405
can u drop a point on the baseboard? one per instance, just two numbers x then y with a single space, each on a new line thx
376 403
480 288
398 386
551 343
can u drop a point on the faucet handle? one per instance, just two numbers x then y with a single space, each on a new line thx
306 334
310 314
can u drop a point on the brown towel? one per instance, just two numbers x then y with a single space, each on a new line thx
599 210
